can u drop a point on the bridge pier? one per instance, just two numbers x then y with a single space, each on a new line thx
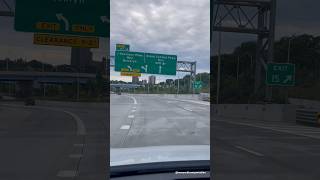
24 89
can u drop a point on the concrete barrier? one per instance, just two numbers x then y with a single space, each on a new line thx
305 103
181 96
268 112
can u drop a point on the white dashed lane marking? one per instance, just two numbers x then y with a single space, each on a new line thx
75 156
187 109
67 174
125 127
249 151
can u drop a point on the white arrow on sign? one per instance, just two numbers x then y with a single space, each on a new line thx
288 78
145 68
104 19
65 20
130 68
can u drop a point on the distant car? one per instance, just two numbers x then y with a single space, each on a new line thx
119 93
29 102
204 96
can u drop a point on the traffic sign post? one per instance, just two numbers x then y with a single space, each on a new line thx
280 74
145 62
78 17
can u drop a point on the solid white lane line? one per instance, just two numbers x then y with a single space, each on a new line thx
75 156
81 129
131 116
67 174
125 127
134 99
249 151
191 101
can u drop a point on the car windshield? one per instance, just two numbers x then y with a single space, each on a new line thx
159 89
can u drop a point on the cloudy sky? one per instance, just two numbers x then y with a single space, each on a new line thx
179 27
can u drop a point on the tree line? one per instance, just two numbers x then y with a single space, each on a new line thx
237 79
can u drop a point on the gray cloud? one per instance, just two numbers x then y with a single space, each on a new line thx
164 26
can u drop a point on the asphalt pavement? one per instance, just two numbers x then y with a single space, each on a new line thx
53 140
250 150
153 120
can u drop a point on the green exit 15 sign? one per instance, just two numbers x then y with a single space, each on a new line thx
72 17
197 85
282 74
148 63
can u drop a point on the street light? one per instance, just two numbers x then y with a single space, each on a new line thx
288 60
289 47
78 83
7 64
238 65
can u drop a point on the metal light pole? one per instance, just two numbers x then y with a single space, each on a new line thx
288 61
44 84
219 68
289 46
238 61
78 86
251 62
7 66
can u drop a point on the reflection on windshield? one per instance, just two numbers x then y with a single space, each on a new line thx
53 89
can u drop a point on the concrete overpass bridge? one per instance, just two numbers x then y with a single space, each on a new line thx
26 81
46 77
125 86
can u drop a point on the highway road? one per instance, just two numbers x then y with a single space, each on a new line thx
248 150
53 140
153 120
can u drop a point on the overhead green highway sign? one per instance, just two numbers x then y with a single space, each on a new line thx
148 63
282 74
72 17
129 61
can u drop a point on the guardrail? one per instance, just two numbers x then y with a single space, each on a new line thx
308 116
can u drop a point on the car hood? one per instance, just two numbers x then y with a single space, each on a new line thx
152 154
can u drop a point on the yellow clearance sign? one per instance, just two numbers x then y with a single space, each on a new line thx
63 40
130 74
